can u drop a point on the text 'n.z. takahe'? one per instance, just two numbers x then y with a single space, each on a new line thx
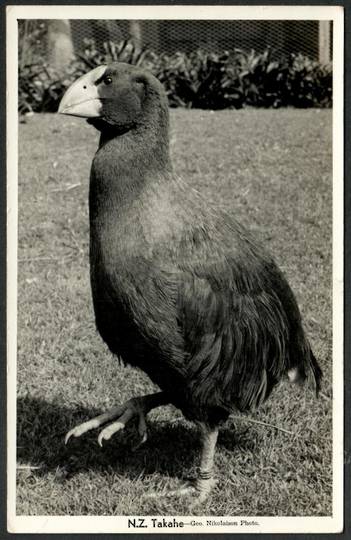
180 289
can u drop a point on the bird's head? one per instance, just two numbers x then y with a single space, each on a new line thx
118 95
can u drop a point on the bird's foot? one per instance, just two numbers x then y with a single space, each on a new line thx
132 408
198 491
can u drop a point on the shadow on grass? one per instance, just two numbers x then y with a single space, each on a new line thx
172 449
41 427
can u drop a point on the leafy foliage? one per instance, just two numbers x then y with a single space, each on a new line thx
308 82
199 79
126 51
41 89
237 78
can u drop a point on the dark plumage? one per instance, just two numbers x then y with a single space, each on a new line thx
180 289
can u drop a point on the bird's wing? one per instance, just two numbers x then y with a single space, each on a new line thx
235 339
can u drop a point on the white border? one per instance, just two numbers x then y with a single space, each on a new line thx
90 524
178 12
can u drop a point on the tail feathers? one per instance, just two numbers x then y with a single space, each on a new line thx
308 370
314 374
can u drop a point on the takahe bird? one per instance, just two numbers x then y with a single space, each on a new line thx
180 289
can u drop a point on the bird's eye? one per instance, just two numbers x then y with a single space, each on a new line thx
107 80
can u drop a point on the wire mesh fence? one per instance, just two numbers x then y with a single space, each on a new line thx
309 37
283 37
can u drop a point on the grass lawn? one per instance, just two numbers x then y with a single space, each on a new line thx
272 169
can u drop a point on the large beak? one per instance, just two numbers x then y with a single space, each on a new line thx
82 97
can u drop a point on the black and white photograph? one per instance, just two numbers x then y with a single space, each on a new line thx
175 269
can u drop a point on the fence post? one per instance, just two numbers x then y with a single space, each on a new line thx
135 32
59 43
324 42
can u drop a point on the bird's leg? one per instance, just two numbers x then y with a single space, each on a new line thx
135 407
205 481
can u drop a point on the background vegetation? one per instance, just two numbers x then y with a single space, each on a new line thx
272 169
200 79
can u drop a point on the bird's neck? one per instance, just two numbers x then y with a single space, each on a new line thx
144 140
125 163
136 148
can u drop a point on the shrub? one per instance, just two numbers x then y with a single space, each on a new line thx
237 78
262 79
199 79
308 83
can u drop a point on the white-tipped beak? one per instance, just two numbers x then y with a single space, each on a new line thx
82 97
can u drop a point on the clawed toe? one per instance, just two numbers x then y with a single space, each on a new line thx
131 410
108 431
142 441
197 493
123 413
70 434
188 490
184 491
191 490
79 430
